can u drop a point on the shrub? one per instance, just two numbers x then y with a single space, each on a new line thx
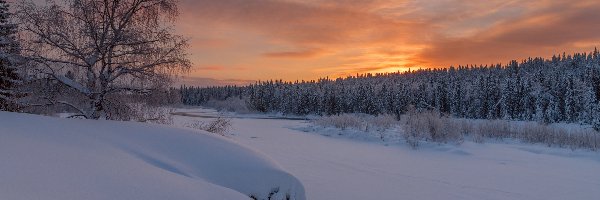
383 122
478 138
493 129
533 132
560 136
365 123
343 121
143 112
431 126
219 126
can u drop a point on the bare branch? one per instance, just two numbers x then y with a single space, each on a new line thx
107 47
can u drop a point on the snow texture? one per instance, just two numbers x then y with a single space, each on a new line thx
51 158
332 167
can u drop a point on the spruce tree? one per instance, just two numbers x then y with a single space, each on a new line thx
561 89
9 51
596 117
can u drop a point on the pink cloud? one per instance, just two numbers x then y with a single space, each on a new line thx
340 36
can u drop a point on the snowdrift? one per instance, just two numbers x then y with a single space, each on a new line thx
52 158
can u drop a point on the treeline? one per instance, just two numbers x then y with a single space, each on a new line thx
565 88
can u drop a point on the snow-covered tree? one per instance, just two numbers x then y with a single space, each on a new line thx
9 57
565 88
99 52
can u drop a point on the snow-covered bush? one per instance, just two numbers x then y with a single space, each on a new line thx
435 127
219 126
559 135
465 126
453 131
431 126
145 113
383 122
360 124
493 129
477 138
343 121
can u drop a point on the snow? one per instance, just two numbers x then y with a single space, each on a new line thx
333 167
52 158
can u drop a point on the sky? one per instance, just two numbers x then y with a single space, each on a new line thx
241 41
307 39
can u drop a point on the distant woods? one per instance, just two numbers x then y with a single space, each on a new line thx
565 88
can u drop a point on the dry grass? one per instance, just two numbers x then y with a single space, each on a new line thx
435 127
362 122
342 121
220 126
142 112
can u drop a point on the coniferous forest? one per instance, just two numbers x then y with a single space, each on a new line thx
564 88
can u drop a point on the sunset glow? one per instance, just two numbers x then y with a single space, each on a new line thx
307 39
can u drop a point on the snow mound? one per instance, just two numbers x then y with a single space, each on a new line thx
52 158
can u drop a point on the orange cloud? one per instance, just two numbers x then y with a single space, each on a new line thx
307 39
553 29
203 82
211 68
294 54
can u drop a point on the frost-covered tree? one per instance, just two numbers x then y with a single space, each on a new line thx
99 52
9 57
565 88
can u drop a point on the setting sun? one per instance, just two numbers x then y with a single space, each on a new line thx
294 40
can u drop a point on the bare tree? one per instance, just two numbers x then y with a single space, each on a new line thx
101 50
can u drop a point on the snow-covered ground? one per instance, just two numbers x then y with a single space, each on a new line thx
52 158
69 159
333 167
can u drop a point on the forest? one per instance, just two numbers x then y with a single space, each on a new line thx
564 88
